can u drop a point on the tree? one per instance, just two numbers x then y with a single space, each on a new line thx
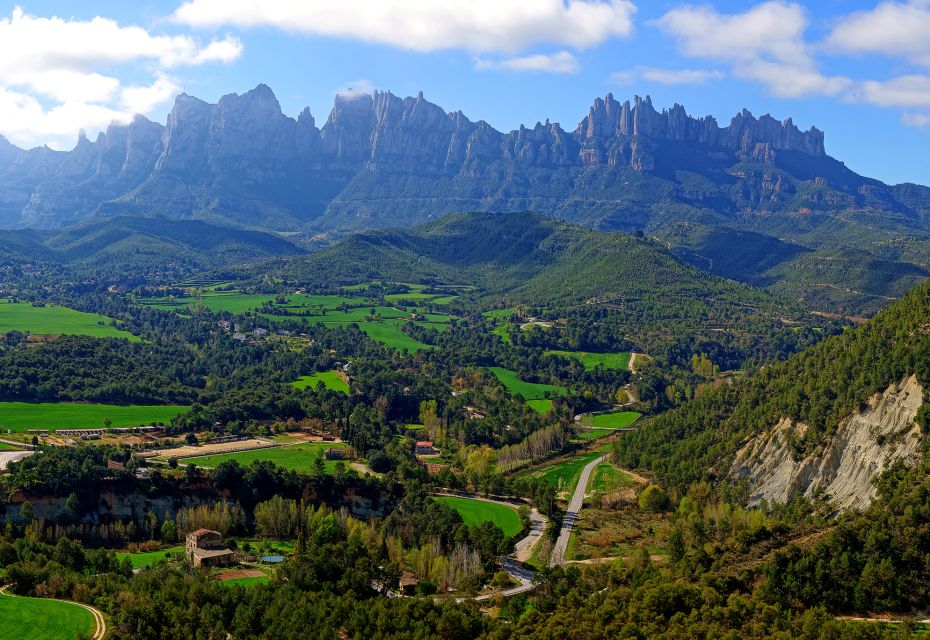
654 500
169 531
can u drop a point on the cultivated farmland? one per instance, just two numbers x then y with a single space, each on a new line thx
299 457
478 511
56 321
592 360
532 392
21 416
333 380
42 619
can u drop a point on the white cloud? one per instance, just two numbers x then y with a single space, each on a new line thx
56 74
917 120
356 89
897 29
679 76
504 26
764 44
561 62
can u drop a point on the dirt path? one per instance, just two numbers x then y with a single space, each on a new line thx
632 365
100 629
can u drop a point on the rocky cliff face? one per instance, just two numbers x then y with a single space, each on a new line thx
244 159
843 468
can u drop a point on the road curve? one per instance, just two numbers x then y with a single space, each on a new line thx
523 549
101 628
571 514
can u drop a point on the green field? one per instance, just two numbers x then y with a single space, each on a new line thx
142 559
20 416
607 477
616 420
499 313
564 475
245 582
42 619
593 434
216 301
530 391
8 447
478 511
52 320
389 334
332 380
592 360
297 457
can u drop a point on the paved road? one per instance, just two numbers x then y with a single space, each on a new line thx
571 514
523 549
101 625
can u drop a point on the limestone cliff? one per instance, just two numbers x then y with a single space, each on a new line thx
843 467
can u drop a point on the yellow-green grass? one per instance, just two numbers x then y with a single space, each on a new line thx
499 313
332 380
142 559
42 619
389 334
216 301
503 331
21 416
56 321
296 457
607 477
593 434
444 300
617 420
563 475
532 392
5 446
245 582
479 511
592 360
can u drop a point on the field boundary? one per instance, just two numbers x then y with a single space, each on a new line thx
101 624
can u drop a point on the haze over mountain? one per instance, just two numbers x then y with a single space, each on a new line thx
757 200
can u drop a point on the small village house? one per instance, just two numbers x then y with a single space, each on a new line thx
205 548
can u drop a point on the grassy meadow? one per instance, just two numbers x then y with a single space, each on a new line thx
532 392
21 416
478 511
299 457
592 360
333 380
56 321
42 619
142 559
617 420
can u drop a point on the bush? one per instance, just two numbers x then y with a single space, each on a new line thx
654 500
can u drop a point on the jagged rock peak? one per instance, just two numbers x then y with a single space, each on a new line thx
608 118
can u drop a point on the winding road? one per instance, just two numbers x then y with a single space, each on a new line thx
571 514
101 626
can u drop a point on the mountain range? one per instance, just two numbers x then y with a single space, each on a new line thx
758 200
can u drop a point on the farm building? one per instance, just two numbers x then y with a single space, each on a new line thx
425 448
205 549
408 583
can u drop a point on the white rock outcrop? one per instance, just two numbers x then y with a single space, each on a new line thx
843 467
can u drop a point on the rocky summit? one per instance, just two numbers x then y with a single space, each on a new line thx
380 160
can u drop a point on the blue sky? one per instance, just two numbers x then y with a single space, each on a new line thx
858 70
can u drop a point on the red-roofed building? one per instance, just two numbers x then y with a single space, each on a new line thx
425 448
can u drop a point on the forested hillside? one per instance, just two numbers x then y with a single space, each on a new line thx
819 387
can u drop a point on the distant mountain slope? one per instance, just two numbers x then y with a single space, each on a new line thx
825 422
382 161
127 245
527 256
